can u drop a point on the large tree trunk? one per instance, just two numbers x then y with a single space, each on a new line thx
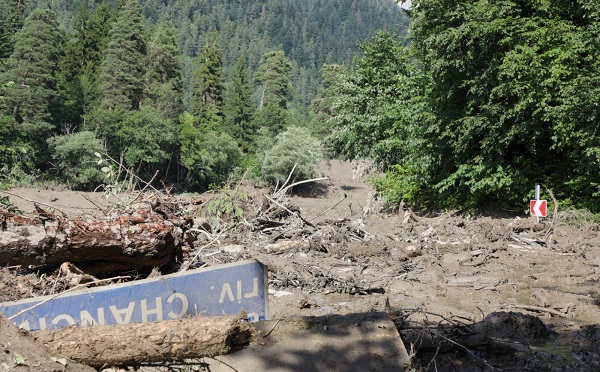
141 343
128 242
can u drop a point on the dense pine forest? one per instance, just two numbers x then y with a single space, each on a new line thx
192 91
465 104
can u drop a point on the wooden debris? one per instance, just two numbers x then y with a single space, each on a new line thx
541 309
139 241
144 343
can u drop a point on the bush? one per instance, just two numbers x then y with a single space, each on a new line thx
297 147
74 160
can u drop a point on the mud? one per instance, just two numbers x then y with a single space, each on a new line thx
467 293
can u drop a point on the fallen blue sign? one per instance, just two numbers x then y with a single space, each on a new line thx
219 290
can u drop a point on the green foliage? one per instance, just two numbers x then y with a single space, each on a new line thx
272 118
238 108
8 206
163 81
507 88
322 106
489 98
11 20
13 148
74 160
272 76
78 81
209 157
396 185
207 92
123 65
376 106
225 207
294 147
120 77
577 217
32 66
148 141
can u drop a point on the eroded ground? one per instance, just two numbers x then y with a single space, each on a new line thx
474 294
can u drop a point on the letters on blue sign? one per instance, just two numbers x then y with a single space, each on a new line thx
225 289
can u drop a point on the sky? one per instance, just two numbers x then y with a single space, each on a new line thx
406 4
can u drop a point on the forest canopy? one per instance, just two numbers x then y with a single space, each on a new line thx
477 103
185 90
488 99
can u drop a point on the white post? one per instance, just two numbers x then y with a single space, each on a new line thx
537 197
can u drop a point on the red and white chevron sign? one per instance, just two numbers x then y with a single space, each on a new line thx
538 208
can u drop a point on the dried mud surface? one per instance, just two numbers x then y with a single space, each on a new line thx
467 294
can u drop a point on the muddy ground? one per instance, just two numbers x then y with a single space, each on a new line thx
466 294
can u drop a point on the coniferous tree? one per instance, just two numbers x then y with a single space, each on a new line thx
272 76
32 68
11 20
122 69
321 107
272 79
238 107
93 31
163 84
207 93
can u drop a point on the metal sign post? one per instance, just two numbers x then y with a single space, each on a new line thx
537 197
537 207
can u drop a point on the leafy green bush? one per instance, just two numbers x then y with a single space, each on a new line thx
209 157
225 207
74 160
297 147
396 186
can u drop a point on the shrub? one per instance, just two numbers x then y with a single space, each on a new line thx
297 147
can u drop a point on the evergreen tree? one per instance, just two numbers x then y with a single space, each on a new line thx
207 93
122 69
238 107
93 30
272 76
163 84
272 79
322 106
11 20
32 68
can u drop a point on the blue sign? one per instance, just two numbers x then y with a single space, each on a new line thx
219 290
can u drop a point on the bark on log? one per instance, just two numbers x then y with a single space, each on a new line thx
141 241
143 343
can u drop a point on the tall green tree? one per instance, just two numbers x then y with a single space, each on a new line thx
272 80
87 51
207 90
238 107
32 68
11 19
163 83
374 103
123 66
272 77
321 106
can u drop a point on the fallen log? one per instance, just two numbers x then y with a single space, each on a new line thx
140 241
22 353
145 343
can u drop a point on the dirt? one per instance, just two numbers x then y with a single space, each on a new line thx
467 293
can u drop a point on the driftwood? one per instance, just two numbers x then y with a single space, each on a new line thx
22 353
146 343
140 241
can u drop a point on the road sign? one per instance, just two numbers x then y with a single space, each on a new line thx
219 290
538 208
